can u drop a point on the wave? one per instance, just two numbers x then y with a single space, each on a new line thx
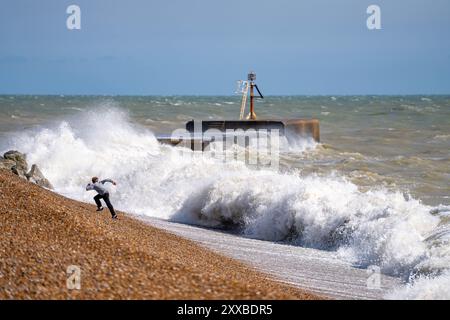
424 288
443 137
376 227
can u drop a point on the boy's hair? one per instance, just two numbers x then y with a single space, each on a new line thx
94 179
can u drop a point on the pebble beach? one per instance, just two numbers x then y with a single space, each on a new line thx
43 233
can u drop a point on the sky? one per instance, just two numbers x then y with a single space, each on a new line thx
201 47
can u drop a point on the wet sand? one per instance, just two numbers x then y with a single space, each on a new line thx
322 272
42 233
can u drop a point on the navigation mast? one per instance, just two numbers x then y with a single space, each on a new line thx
243 87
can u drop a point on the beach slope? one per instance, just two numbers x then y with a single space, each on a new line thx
43 233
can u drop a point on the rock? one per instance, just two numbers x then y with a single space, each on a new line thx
35 175
17 172
21 166
6 164
16 162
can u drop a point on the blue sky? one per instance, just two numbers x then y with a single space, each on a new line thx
168 47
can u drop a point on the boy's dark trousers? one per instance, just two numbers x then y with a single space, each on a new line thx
105 197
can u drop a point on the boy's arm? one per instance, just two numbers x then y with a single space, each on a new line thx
107 180
90 186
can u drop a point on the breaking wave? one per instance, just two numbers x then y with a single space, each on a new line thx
376 227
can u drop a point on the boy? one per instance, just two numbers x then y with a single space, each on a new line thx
103 193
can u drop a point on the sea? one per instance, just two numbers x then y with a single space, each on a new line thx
375 189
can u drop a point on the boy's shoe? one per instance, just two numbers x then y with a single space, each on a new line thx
100 209
114 216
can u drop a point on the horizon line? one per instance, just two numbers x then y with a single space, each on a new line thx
223 95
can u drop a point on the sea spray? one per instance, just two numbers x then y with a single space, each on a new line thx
373 227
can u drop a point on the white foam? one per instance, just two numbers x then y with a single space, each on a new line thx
424 288
375 227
